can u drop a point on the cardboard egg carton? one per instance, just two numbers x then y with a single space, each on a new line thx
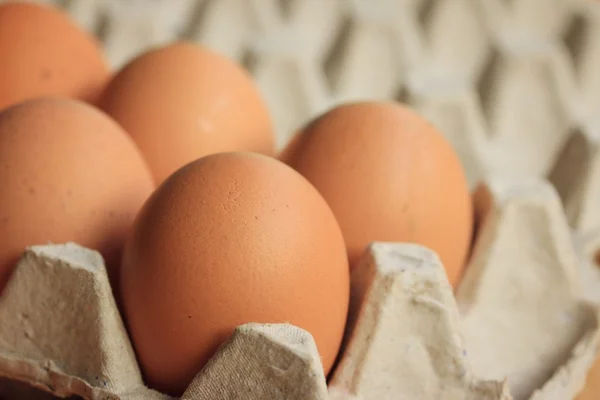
518 328
508 82
514 86
530 69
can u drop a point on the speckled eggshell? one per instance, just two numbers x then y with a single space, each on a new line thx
67 173
44 53
229 239
183 101
388 175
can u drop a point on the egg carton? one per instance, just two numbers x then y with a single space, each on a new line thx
530 70
509 83
514 86
519 326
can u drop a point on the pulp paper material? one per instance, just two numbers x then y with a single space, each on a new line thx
571 377
522 90
576 176
521 311
514 86
274 361
61 333
533 68
589 256
61 330
404 339
405 335
459 112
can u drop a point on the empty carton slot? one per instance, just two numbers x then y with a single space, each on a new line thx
574 38
425 11
102 26
207 22
402 94
536 274
575 176
486 83
273 73
285 7
63 3
89 14
369 63
196 19
528 111
534 20
456 112
334 58
569 173
249 59
463 52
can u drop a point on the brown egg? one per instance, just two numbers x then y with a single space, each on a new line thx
591 391
43 53
184 101
388 175
229 239
67 173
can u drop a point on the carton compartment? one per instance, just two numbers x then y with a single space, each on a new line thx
518 314
514 85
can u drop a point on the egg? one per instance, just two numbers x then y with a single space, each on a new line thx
183 101
591 390
43 53
388 175
67 173
229 239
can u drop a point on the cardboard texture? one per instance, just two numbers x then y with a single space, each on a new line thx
263 361
531 68
514 86
61 330
405 335
521 311
404 332
576 176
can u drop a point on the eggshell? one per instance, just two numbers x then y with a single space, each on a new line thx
388 175
591 391
67 173
183 101
229 239
43 53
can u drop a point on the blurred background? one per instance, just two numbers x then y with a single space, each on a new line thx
507 81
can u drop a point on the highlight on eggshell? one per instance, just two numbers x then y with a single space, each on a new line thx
183 101
69 173
388 175
229 239
44 53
